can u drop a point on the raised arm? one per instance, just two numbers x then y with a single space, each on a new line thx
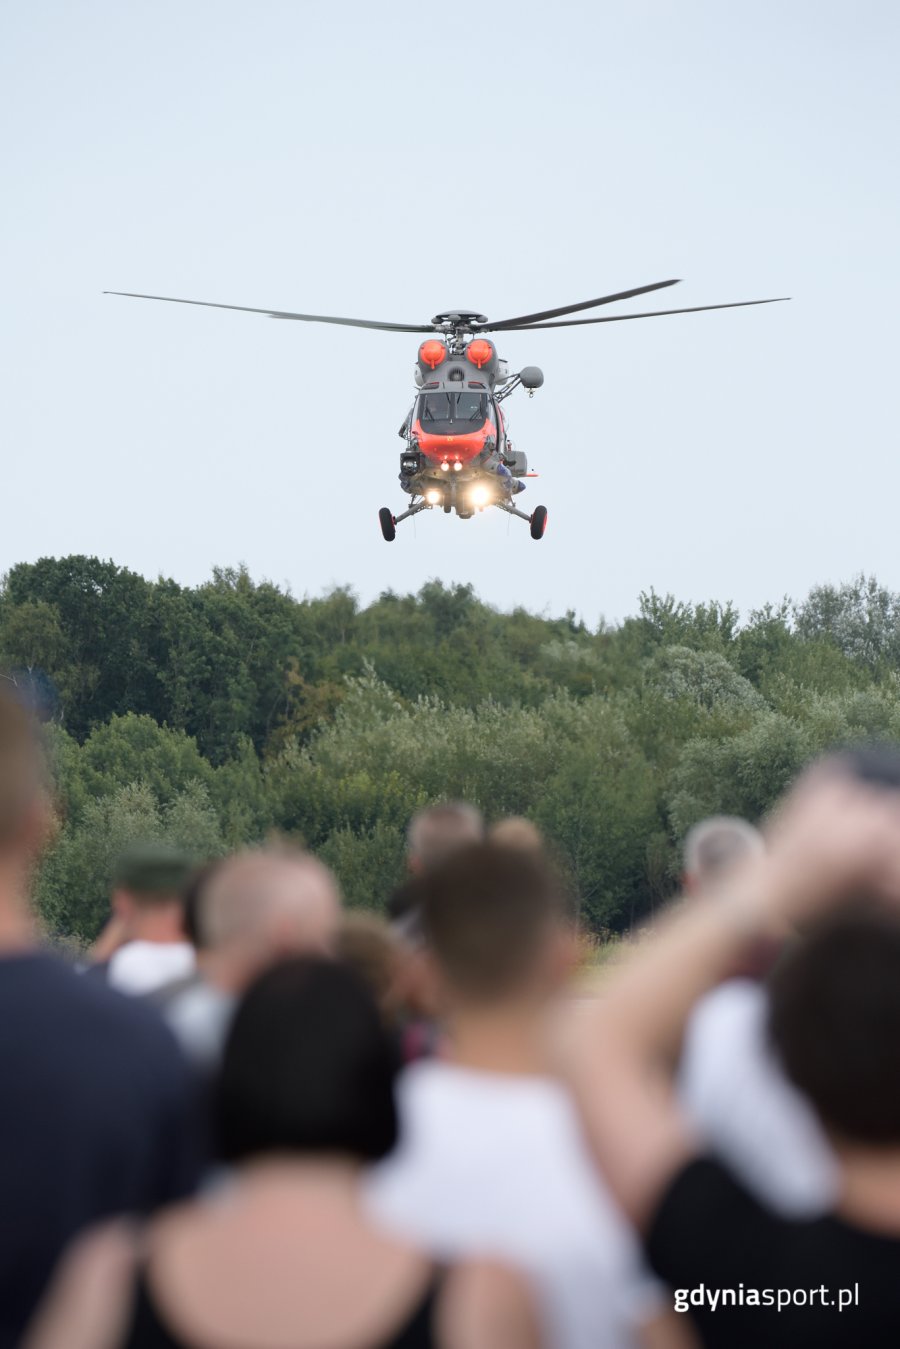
832 835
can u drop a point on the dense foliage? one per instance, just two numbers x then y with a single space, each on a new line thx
215 715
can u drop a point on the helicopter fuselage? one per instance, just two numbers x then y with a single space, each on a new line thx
458 456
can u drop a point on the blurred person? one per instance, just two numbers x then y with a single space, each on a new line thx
833 873
714 846
366 944
731 1083
250 911
96 1116
105 944
515 831
491 1159
285 1257
436 832
163 997
197 882
147 932
419 1028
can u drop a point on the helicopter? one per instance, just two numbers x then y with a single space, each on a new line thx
457 454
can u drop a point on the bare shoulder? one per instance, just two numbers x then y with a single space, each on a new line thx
485 1305
89 1300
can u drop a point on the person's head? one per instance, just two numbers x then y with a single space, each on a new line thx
714 846
834 1021
193 897
496 924
515 831
437 832
876 763
264 905
25 808
308 1068
365 944
149 881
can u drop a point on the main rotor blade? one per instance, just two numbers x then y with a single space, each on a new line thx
284 314
651 314
527 319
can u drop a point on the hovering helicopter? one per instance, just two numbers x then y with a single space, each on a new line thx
458 456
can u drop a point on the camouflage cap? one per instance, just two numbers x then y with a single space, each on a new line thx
153 869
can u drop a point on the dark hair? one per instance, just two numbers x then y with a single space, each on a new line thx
402 901
308 1067
153 872
486 914
194 894
835 1021
875 762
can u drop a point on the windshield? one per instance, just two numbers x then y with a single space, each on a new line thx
448 414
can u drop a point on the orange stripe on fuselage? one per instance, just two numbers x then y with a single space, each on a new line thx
452 448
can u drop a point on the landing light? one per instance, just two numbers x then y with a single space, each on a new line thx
457 466
433 497
480 496
445 467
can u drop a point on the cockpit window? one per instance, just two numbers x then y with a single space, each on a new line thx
451 413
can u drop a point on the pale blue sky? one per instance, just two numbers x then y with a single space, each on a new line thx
392 160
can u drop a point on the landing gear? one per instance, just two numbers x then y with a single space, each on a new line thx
538 522
388 524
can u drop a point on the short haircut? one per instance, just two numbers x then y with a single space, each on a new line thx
248 889
153 873
308 1067
437 832
23 774
194 896
714 846
486 915
515 831
834 1021
875 762
365 944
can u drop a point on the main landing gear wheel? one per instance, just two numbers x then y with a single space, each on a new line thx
389 526
538 522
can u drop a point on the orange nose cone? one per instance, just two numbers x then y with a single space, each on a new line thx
479 352
432 352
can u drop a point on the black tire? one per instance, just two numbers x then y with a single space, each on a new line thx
538 522
388 525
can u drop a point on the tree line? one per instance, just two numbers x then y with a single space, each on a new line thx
216 715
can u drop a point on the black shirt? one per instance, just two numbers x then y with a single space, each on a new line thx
710 1234
150 1330
96 1118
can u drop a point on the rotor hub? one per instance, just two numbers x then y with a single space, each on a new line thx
459 318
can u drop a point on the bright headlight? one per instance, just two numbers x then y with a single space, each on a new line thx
480 496
433 497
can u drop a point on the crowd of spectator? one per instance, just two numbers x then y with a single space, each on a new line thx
247 1118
